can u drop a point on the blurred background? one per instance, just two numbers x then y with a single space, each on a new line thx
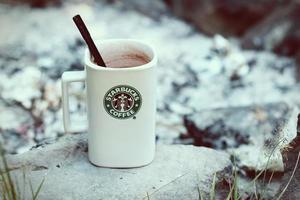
228 72
213 54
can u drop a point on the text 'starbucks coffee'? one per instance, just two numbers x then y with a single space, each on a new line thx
122 102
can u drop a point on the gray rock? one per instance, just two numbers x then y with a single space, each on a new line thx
217 128
252 133
176 173
279 31
213 16
14 123
154 9
290 184
35 3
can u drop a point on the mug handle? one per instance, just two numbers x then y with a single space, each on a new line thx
66 78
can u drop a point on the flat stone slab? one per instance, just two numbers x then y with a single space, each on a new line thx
177 172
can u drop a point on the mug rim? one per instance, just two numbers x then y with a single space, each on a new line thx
149 64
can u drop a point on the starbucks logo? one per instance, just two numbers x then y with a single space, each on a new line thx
122 102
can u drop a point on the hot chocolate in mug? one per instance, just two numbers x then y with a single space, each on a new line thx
121 103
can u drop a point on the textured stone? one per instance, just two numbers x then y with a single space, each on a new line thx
290 183
176 172
278 32
215 16
36 3
252 133
154 9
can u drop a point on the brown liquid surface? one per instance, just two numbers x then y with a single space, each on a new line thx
127 60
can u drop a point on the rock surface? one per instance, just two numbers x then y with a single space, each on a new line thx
291 179
270 25
215 16
176 172
279 31
251 133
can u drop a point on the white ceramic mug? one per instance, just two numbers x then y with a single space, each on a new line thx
121 104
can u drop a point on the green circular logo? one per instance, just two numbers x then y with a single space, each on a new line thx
122 102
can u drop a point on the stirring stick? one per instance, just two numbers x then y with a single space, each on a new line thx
89 41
